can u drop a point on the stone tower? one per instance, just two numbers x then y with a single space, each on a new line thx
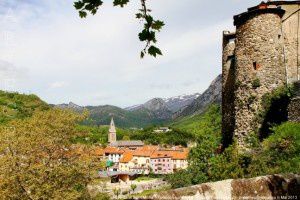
259 65
262 55
228 80
112 133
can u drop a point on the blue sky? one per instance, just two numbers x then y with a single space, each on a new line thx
46 49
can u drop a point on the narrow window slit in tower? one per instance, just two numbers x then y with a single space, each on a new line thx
230 57
256 66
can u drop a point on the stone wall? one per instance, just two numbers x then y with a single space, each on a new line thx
259 65
265 187
228 80
265 55
291 31
294 106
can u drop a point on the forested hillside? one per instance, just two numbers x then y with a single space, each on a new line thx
19 106
101 115
202 124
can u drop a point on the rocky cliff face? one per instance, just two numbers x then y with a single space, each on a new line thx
213 94
156 107
71 106
173 104
165 108
159 108
179 102
265 187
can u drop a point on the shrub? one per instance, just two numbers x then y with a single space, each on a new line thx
102 196
229 164
256 83
274 109
179 179
279 153
125 192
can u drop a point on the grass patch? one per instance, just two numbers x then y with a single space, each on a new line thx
150 192
144 178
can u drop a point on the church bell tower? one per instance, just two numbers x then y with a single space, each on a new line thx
112 133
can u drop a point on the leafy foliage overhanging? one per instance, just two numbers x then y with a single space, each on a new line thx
150 28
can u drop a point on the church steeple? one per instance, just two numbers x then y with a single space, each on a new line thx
112 133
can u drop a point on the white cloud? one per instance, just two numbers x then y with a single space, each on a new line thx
96 60
58 84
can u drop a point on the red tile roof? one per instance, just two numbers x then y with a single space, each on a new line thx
127 156
175 155
161 154
113 150
179 155
145 151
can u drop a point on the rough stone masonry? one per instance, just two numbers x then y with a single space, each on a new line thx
262 55
264 187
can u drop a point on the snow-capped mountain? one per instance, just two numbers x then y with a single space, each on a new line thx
154 111
213 94
172 104
178 102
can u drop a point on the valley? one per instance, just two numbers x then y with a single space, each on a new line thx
201 110
157 111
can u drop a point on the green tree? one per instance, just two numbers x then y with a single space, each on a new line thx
150 28
126 137
133 187
179 179
37 160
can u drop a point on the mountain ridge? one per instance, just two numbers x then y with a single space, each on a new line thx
213 94
155 111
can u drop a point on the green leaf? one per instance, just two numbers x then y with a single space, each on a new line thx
144 35
82 14
157 25
149 19
94 11
153 51
142 54
89 7
120 3
78 5
152 36
139 15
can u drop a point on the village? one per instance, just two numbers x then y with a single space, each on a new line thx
126 160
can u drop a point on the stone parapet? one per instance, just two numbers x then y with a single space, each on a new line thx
264 187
